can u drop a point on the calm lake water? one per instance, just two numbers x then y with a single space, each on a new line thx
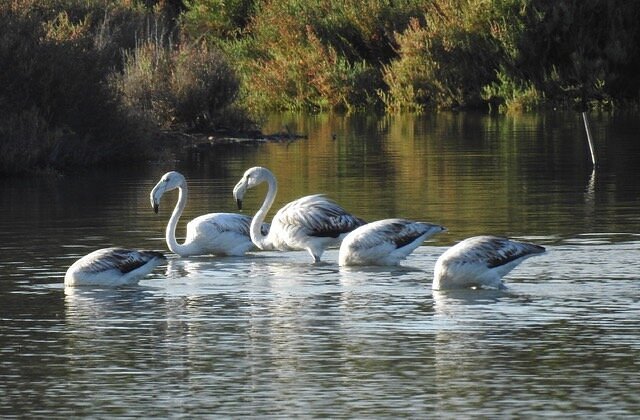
271 335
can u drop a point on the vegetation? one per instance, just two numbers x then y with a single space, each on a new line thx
186 85
57 108
82 84
85 82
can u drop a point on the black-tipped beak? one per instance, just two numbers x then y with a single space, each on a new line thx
155 208
239 202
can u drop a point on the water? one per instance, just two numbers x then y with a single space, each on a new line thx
271 335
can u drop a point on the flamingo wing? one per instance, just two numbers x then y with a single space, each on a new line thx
319 216
220 223
123 260
481 261
495 251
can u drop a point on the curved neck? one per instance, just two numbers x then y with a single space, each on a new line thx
260 240
170 235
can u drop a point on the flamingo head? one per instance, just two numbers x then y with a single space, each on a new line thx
251 178
169 181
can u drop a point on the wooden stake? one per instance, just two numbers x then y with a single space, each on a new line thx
585 117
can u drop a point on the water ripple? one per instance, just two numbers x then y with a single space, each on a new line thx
272 335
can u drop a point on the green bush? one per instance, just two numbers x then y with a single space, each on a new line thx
320 54
444 59
511 54
144 82
582 51
309 76
512 96
565 53
216 20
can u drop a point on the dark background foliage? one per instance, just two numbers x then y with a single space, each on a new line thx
94 82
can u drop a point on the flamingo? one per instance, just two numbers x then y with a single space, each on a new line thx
213 233
385 242
313 222
112 267
481 261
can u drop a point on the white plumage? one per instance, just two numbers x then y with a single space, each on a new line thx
112 267
313 222
213 233
385 242
481 261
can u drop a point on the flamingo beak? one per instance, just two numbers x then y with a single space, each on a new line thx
156 194
238 192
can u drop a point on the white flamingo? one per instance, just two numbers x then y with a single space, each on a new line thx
385 242
213 233
112 267
481 261
313 222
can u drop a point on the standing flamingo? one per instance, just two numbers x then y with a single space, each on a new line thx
313 222
481 261
213 233
385 242
112 267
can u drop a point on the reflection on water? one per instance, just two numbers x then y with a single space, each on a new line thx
570 339
271 334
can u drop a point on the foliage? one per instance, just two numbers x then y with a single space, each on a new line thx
84 82
580 51
27 140
514 54
57 109
315 77
321 54
442 63
510 95
216 20
565 53
60 61
186 85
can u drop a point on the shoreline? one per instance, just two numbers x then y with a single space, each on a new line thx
200 140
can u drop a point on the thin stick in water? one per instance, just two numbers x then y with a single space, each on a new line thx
592 149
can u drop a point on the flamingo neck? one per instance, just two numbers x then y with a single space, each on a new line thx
264 241
172 243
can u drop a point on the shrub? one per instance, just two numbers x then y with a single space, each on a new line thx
511 95
309 76
443 60
216 20
582 51
28 142
187 86
319 54
144 82
57 107
202 86
573 53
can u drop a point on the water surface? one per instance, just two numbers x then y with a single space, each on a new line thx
272 335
